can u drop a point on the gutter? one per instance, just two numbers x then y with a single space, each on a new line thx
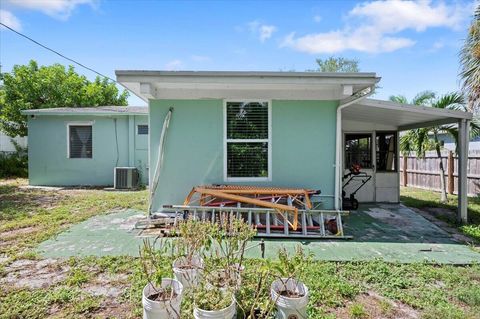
338 144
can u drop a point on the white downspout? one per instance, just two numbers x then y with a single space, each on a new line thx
338 146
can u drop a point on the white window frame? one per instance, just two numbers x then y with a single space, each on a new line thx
226 141
148 127
79 123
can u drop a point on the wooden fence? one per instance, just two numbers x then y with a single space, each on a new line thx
425 172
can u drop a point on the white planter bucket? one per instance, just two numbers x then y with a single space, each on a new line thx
162 309
225 313
189 277
290 308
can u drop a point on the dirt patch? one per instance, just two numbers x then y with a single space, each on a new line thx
25 273
113 308
376 306
10 234
107 285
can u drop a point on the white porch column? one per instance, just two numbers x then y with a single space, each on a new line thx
463 141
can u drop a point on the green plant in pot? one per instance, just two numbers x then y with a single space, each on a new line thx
161 297
289 294
213 303
224 265
253 297
193 239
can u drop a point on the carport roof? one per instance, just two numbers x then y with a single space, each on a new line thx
403 116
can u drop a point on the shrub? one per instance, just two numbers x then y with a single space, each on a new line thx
14 164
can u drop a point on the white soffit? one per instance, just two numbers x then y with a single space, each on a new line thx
402 116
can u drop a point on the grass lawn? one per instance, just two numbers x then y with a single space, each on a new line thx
110 287
429 200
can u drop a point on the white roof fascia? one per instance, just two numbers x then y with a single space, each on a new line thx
217 84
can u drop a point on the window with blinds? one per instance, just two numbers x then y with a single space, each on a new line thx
142 129
80 141
247 140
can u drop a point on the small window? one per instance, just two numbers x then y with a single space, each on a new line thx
142 129
386 151
358 150
247 140
80 141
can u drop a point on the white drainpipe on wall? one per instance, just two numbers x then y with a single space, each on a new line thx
338 146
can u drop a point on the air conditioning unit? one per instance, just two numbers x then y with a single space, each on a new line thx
125 178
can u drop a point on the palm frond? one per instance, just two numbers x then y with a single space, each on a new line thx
424 98
451 101
398 98
470 63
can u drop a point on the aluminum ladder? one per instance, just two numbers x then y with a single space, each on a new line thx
313 223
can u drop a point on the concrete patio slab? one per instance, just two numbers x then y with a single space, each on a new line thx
391 233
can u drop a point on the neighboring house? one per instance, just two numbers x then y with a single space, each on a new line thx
283 129
82 146
7 143
449 143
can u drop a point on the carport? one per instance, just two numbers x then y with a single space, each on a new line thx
370 115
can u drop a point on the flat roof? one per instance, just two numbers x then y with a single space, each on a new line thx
151 84
247 74
100 110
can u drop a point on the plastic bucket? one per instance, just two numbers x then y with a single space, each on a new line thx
189 277
162 309
225 313
289 308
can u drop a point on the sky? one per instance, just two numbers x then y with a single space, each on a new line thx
412 45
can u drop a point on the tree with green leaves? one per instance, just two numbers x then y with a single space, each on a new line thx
36 87
470 63
425 139
337 64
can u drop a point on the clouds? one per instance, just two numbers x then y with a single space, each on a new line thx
59 9
373 27
262 31
7 18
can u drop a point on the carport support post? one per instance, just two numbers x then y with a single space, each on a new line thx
463 140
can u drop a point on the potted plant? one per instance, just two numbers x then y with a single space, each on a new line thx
289 294
227 254
161 297
193 238
253 297
213 303
225 278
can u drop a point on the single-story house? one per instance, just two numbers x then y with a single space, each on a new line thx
82 146
283 129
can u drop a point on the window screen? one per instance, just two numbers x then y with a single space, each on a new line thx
358 150
386 151
142 129
247 139
80 143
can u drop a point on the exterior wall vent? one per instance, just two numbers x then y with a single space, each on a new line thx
125 178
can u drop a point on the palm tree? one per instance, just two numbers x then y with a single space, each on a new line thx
470 63
419 140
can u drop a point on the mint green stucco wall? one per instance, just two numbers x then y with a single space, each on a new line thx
303 146
49 165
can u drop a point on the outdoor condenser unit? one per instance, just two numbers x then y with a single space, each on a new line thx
125 178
